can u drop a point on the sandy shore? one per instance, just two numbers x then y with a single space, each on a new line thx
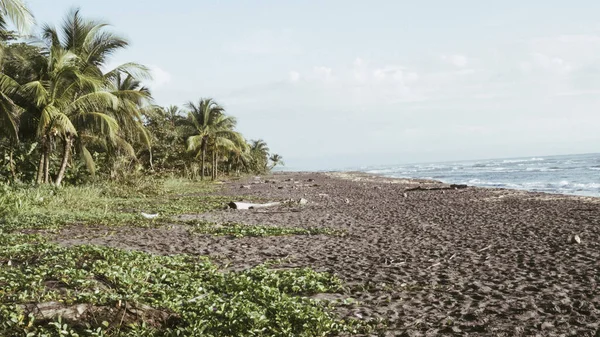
430 262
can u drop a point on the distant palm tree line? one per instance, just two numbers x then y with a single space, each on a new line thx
62 114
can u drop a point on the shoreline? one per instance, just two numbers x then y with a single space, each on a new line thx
449 261
376 177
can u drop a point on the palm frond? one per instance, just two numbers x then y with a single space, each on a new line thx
8 118
87 158
194 143
98 123
18 13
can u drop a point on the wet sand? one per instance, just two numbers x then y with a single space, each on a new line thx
459 262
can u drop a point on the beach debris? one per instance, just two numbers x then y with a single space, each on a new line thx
451 187
547 326
323 195
245 186
149 216
574 239
303 201
126 312
434 265
280 187
310 180
289 179
405 195
347 200
247 205
484 249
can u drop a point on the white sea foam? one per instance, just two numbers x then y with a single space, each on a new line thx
566 174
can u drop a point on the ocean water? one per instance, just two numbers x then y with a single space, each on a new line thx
571 174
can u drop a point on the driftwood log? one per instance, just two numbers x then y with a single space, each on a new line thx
247 205
451 187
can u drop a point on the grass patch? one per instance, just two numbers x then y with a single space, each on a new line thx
102 291
238 230
46 207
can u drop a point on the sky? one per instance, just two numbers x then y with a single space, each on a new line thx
342 84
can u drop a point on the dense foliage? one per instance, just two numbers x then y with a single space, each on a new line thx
65 117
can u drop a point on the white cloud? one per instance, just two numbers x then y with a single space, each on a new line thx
395 73
358 62
457 60
294 76
160 77
550 63
323 73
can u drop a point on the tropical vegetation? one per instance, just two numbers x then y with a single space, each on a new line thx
66 117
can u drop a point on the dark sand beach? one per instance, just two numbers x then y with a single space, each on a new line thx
469 261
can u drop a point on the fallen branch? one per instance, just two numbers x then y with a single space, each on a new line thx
484 249
274 212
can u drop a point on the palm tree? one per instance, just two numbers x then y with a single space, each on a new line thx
211 128
9 126
67 100
18 13
276 160
96 105
9 112
260 155
133 99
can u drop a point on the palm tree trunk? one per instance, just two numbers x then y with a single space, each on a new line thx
202 163
216 167
40 171
11 164
47 165
65 160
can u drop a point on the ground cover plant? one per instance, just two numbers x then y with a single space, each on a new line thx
238 230
100 291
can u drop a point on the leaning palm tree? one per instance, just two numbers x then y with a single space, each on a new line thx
211 127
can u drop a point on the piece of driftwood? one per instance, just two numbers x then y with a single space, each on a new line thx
247 205
451 187
121 315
